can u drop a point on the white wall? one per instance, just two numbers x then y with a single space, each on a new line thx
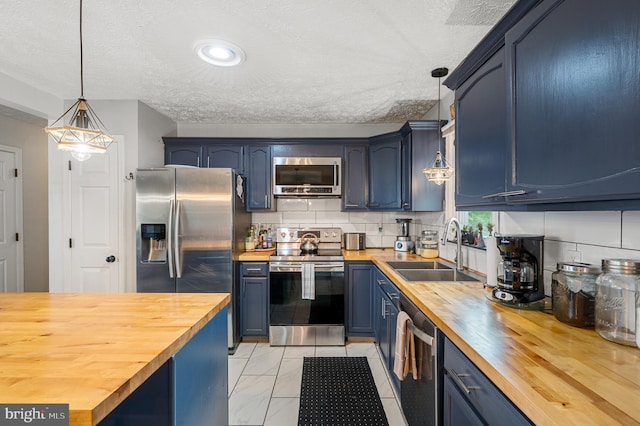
152 126
32 139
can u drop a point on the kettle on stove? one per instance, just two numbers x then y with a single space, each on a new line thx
309 243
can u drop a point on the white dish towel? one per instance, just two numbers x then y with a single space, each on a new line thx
308 281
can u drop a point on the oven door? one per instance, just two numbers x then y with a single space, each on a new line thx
294 320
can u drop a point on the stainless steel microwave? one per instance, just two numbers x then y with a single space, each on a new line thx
307 176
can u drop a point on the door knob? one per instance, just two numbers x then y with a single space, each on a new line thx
110 259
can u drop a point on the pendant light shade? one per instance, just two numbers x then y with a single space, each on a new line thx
79 130
439 170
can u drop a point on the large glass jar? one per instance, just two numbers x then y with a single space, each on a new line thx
429 244
616 291
573 293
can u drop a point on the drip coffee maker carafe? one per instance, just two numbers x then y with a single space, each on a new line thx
403 241
520 272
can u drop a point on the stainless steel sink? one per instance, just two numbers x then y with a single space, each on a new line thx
434 275
418 265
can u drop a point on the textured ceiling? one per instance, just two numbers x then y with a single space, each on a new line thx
332 61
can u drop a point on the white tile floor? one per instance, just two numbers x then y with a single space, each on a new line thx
264 382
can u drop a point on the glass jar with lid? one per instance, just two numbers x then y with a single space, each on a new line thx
616 290
429 244
573 293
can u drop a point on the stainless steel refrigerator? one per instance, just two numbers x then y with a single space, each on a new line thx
190 229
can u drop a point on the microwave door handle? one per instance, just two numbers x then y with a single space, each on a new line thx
170 239
336 178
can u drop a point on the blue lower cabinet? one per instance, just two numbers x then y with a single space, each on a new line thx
190 389
387 316
360 296
254 299
470 398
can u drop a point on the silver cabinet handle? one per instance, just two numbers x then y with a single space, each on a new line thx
266 201
506 194
464 387
176 244
170 239
253 269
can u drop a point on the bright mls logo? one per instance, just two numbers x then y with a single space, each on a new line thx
34 414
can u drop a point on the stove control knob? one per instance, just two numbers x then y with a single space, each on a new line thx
283 234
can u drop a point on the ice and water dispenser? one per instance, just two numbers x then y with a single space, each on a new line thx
154 243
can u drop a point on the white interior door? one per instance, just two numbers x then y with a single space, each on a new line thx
95 223
11 272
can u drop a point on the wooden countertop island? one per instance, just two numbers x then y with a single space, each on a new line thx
92 351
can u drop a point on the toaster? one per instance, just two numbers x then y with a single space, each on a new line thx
354 240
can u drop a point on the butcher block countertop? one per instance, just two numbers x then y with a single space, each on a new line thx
555 373
92 350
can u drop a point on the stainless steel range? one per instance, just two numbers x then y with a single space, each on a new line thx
306 287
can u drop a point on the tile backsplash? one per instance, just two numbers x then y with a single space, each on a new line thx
569 236
381 228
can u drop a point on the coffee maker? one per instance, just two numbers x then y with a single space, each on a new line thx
403 241
520 272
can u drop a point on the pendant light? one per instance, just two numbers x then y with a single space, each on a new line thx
440 171
84 134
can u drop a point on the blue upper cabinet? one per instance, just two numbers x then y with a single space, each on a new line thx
385 173
571 101
572 68
181 153
355 181
421 141
481 136
226 156
259 186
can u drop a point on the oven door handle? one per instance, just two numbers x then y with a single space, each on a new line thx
297 267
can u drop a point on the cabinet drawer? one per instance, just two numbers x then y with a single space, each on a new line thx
254 269
484 396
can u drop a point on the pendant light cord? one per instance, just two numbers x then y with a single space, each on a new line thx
81 57
439 126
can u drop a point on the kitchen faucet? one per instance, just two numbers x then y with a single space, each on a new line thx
458 259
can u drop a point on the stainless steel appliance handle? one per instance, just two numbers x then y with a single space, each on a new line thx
336 179
297 267
429 340
170 240
176 244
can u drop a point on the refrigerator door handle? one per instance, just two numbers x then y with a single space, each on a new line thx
170 240
176 237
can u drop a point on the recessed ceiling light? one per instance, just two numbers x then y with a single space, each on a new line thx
220 52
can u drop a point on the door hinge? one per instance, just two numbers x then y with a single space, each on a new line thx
70 243
15 172
69 165
17 236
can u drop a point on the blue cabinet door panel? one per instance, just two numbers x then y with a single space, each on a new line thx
385 179
573 68
259 179
356 178
481 136
226 156
360 309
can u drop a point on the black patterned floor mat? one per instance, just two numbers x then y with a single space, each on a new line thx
339 391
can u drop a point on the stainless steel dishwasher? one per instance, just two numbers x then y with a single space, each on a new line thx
419 398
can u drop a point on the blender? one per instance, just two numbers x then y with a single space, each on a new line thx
403 241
